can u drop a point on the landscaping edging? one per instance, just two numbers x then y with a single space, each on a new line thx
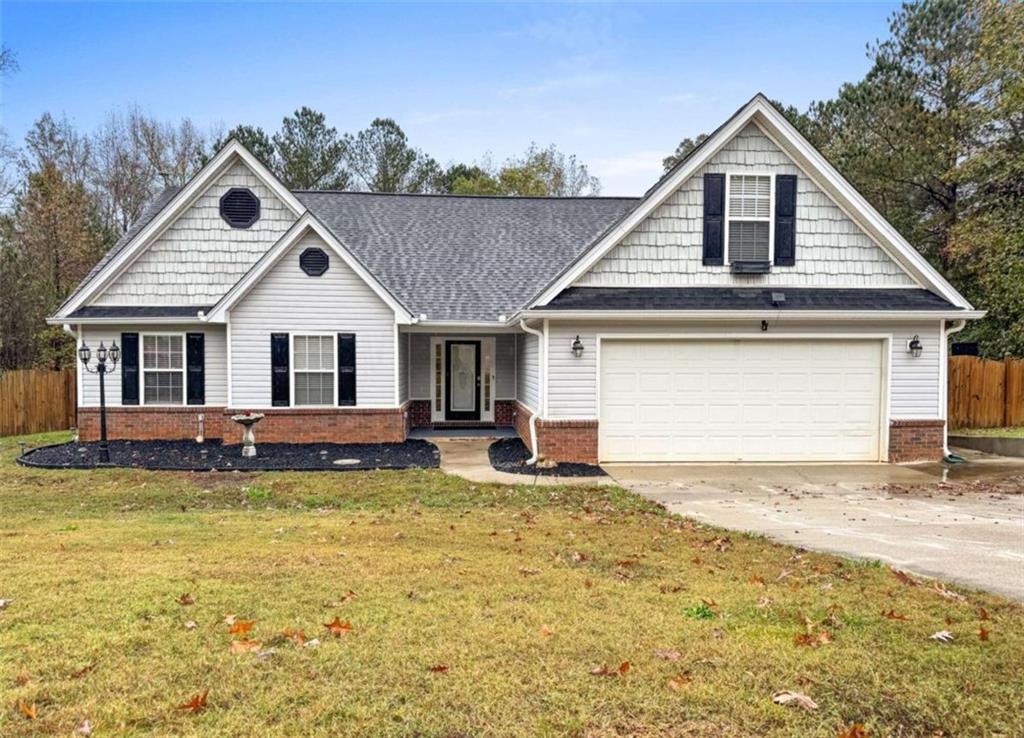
999 445
188 456
510 454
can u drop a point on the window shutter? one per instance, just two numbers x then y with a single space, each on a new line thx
785 220
195 368
280 387
714 211
346 368
129 368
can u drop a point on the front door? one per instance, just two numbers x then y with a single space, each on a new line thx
462 380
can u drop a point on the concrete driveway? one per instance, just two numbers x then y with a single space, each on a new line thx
962 525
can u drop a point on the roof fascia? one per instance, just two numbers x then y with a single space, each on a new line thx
150 320
177 205
741 315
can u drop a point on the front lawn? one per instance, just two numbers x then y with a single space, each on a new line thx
459 609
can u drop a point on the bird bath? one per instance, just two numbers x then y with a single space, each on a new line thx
247 421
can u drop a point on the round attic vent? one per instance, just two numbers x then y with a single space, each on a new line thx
239 207
313 262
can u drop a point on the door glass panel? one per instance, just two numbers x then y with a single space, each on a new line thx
463 377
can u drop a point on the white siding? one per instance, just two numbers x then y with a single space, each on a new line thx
421 369
287 300
216 361
403 368
914 383
199 257
528 370
505 366
666 248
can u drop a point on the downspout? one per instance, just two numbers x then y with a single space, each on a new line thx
947 455
540 389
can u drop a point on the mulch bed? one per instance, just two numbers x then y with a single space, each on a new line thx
510 455
189 456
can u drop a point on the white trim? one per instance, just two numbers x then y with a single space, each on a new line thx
741 315
183 370
885 397
729 174
79 387
488 346
188 194
291 369
227 358
805 156
127 320
398 369
305 224
546 372
464 326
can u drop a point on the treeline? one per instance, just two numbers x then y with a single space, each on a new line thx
67 196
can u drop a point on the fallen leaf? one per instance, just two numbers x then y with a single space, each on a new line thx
764 602
680 680
943 636
982 633
603 670
857 730
526 572
983 614
84 727
893 615
5 603
22 679
756 580
546 632
438 669
241 627
191 625
83 671
230 619
296 636
29 712
668 654
245 646
196 704
185 600
624 668
587 583
949 594
904 578
813 639
338 628
796 699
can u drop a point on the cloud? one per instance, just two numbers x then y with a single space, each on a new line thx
631 173
582 81
447 116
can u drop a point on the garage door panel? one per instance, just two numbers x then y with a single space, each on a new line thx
740 400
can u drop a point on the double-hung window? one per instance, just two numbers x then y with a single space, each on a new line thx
163 369
314 375
749 218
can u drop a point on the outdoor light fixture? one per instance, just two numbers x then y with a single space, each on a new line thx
577 347
914 347
102 368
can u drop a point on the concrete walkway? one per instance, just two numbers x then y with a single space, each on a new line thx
900 515
467 458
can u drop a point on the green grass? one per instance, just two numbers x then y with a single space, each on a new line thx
519 591
1013 432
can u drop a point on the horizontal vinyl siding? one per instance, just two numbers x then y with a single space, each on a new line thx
403 368
505 366
666 248
914 383
288 301
528 370
216 361
421 370
199 257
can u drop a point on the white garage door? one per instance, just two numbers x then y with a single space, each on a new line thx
741 400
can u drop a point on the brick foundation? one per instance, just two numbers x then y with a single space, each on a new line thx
504 410
281 425
560 440
419 413
916 440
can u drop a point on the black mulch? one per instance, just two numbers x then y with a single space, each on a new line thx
189 456
510 455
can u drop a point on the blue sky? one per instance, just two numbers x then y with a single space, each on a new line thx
618 85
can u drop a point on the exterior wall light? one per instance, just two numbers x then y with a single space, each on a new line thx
577 347
914 347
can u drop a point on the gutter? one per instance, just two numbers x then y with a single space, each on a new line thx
773 315
948 455
540 388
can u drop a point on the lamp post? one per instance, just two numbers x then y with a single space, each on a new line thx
102 369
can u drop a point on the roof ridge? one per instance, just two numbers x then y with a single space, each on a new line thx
467 197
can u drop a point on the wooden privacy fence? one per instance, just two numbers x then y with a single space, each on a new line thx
985 393
36 400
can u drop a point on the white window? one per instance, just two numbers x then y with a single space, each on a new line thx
313 370
163 369
749 217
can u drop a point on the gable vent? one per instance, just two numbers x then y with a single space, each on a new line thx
313 262
239 207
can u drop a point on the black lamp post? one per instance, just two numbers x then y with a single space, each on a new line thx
102 368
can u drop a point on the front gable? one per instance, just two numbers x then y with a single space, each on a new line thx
665 249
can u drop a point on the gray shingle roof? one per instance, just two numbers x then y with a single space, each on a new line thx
745 298
464 258
139 311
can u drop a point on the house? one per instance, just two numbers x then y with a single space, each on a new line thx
751 306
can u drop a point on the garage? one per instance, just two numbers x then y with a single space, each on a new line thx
752 400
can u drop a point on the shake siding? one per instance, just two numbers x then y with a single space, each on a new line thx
200 257
913 383
528 348
666 249
216 362
421 369
289 301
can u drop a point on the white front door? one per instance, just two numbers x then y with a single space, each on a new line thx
741 400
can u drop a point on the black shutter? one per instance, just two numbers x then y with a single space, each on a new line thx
785 220
129 368
714 213
195 368
280 386
346 368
